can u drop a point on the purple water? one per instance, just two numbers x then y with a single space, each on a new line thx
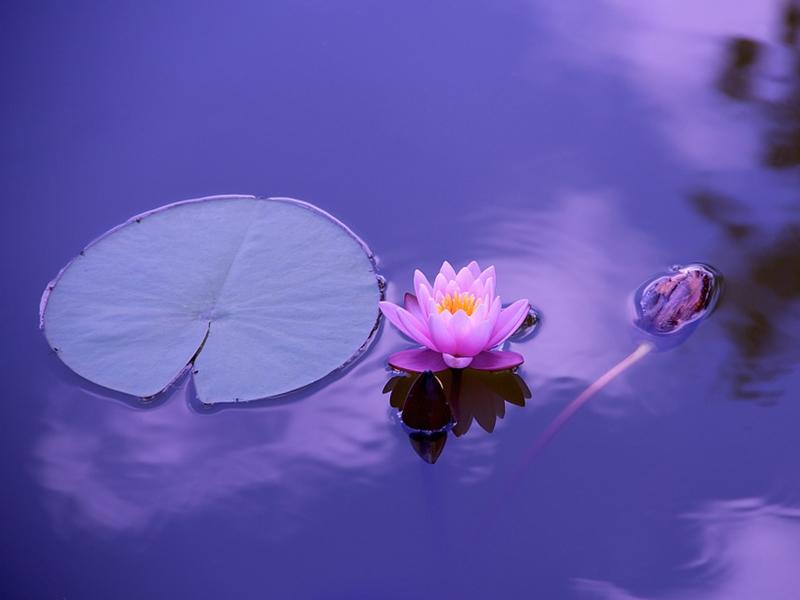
579 147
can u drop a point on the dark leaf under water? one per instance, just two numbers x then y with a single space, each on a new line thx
431 404
426 407
429 446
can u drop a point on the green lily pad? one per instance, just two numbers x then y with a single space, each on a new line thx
262 295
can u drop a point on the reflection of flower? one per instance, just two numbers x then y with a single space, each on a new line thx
459 318
431 404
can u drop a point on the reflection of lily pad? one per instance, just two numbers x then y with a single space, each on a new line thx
267 295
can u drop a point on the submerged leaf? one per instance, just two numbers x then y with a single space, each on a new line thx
428 446
264 295
426 407
671 302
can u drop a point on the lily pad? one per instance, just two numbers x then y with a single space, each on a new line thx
262 295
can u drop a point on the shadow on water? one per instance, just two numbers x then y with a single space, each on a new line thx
431 404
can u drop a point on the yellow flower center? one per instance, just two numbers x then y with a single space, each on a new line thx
456 302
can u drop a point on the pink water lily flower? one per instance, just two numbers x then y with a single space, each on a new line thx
459 319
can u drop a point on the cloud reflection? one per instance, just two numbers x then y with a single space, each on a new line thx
670 51
749 550
112 467
580 260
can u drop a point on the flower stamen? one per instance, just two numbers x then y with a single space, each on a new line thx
455 302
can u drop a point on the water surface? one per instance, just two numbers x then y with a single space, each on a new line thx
579 147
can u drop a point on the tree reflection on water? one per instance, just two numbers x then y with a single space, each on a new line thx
763 285
750 75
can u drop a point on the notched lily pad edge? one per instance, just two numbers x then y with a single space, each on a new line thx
189 366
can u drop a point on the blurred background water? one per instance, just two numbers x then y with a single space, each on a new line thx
580 147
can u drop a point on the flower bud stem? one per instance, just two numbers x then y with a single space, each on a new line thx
565 415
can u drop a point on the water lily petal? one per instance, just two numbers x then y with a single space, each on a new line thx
441 335
452 288
481 334
456 362
477 288
494 312
411 304
421 282
392 312
417 360
488 287
431 309
497 360
475 269
426 302
464 279
471 335
418 329
481 311
460 326
488 273
447 270
509 320
439 286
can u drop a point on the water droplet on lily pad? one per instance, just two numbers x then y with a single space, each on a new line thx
264 295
